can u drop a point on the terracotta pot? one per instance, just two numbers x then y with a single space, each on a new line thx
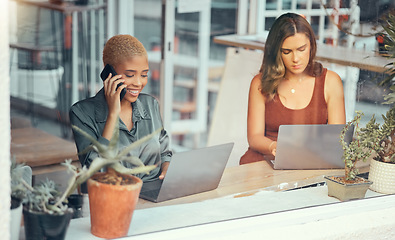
383 177
345 192
112 206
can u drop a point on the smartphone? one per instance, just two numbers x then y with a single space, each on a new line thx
104 75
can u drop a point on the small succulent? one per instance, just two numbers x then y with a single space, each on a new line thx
41 198
18 191
355 150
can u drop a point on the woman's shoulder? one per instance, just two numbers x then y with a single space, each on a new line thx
148 101
332 77
256 80
256 88
331 74
333 82
84 104
89 104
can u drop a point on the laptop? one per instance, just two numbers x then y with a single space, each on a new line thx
310 146
189 173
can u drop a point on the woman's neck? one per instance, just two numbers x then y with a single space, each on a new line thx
295 77
126 106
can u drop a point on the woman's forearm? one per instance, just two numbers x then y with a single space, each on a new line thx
262 144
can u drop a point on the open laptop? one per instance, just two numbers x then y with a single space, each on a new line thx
310 146
189 173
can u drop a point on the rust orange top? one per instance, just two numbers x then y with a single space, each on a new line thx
315 112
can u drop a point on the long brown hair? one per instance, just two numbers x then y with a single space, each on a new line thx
273 69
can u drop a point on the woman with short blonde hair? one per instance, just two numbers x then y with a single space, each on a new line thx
137 114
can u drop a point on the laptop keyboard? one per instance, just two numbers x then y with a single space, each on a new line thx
151 189
151 194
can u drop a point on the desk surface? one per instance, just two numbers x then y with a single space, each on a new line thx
252 177
367 60
39 149
240 186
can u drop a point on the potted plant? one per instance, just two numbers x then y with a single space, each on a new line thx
382 166
46 212
43 219
382 142
350 186
113 194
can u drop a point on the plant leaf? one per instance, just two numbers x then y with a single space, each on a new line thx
143 169
132 146
100 147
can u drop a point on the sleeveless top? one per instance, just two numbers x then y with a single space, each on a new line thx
315 112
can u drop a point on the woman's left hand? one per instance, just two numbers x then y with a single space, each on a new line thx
165 166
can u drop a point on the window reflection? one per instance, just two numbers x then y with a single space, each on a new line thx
148 27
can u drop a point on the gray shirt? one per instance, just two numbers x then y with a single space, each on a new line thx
91 114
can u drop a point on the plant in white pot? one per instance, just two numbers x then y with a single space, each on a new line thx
350 186
382 142
382 166
113 194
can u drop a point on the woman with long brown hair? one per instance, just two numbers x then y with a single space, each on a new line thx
291 87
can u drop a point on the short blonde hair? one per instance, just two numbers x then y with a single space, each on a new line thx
122 47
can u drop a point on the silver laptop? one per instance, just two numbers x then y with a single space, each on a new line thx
189 173
310 146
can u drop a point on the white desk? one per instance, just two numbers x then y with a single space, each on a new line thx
214 210
255 185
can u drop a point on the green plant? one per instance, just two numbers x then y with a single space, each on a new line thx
389 45
356 150
109 157
46 198
381 139
390 98
18 191
41 198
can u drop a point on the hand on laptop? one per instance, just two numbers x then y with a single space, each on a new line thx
273 147
165 165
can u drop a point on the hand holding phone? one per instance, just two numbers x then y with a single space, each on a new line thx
104 74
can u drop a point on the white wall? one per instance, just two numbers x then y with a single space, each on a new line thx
4 123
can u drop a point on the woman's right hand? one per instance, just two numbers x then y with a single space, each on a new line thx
113 94
273 147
